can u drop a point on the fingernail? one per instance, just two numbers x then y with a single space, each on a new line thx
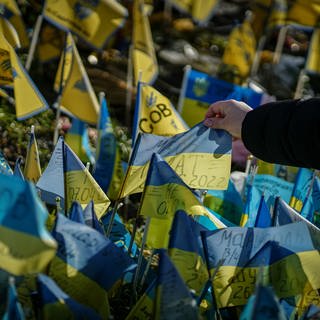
208 122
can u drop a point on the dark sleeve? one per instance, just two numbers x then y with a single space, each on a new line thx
285 132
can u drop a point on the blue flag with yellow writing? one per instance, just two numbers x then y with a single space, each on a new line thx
27 245
200 156
287 255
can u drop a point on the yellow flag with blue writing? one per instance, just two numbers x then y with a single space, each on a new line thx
200 156
10 11
32 168
78 96
155 114
144 58
93 21
26 245
28 100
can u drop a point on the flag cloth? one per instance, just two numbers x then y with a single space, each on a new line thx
78 140
4 166
86 261
32 168
200 156
51 182
9 33
119 235
203 89
76 213
17 169
288 255
27 247
304 13
10 10
278 14
186 252
251 207
93 21
163 195
155 114
240 49
78 97
312 64
173 299
56 304
14 309
144 58
90 218
80 185
284 214
200 10
227 203
272 187
263 305
28 100
263 218
108 170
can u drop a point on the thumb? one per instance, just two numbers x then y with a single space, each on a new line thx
216 123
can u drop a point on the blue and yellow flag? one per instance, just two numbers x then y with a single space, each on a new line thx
78 97
203 89
78 140
251 207
263 304
119 235
173 299
32 168
284 214
304 13
155 114
9 33
287 255
17 171
163 195
227 203
200 10
200 156
27 247
4 166
28 100
56 304
186 252
263 218
80 185
76 213
87 261
93 21
10 10
144 58
108 171
312 64
14 309
51 183
278 14
240 50
90 218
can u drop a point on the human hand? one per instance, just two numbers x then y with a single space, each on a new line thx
227 115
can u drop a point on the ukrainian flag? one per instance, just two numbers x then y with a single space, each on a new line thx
28 100
78 97
251 207
87 262
93 21
200 156
11 12
108 170
32 168
186 252
26 245
287 255
312 65
143 54
155 114
56 304
163 195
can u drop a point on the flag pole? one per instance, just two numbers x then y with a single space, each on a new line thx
101 97
58 102
35 37
280 43
183 89
129 86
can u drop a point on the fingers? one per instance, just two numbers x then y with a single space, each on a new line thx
217 123
217 108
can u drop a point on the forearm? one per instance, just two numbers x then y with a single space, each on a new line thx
285 132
